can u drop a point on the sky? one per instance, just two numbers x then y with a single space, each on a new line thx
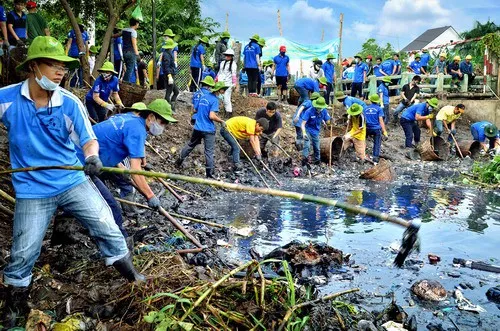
394 21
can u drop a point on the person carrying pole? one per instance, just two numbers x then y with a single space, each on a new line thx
204 127
446 119
45 123
272 134
311 121
243 128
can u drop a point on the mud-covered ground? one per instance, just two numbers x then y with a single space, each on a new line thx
69 276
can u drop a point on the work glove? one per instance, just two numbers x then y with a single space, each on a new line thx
6 44
224 125
204 67
170 80
347 136
147 167
93 165
108 106
431 116
385 136
154 202
176 65
20 43
299 145
258 157
453 132
275 140
120 106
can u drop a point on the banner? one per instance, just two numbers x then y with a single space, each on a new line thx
300 51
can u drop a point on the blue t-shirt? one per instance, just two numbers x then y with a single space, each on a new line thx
103 87
397 63
18 24
329 70
196 53
385 93
73 50
306 104
415 66
3 16
376 70
281 63
466 68
411 112
119 137
477 131
250 53
359 72
207 104
387 67
313 120
349 101
372 113
196 99
309 84
44 137
118 41
243 78
424 59
207 72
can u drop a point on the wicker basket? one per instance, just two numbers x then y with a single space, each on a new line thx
293 96
131 93
381 172
333 143
470 148
440 151
10 61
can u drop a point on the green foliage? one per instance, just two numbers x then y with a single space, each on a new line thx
370 47
492 40
488 173
476 48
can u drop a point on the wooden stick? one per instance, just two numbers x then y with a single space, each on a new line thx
237 187
170 189
185 191
6 210
253 165
154 150
269 170
7 197
281 148
456 144
180 227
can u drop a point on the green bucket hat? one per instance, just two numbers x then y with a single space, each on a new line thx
418 56
225 34
374 98
355 110
490 131
93 49
386 79
319 103
315 59
330 56
358 56
169 44
219 86
208 81
323 80
339 95
138 106
48 48
108 67
204 40
169 33
255 37
162 108
433 102
261 42
315 96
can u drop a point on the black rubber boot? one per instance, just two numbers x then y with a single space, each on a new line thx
178 163
210 173
126 268
16 306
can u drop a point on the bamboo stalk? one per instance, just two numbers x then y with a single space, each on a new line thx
184 190
262 287
6 210
312 302
7 197
180 227
456 144
249 159
170 189
237 187
269 170
281 148
154 150
214 286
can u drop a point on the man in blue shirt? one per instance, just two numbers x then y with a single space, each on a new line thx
375 126
205 86
467 69
360 72
387 68
397 71
3 27
424 60
487 134
197 63
377 67
383 92
348 101
130 49
105 86
416 66
73 51
409 118
118 51
204 128
312 120
308 85
302 108
45 123
329 70
282 65
251 63
16 24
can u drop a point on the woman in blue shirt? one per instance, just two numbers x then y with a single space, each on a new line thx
97 99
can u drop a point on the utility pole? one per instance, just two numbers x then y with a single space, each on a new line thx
279 24
154 44
340 38
227 21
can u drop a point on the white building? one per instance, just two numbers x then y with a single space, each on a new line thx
432 38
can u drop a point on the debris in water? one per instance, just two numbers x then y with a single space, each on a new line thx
493 294
464 304
429 290
393 326
433 258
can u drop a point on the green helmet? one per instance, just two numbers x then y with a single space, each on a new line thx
261 42
255 37
169 44
162 108
330 56
107 67
169 33
44 47
204 40
225 34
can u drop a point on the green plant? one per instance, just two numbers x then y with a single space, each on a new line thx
488 173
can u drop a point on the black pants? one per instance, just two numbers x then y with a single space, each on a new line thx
259 84
253 78
96 112
329 89
171 93
196 77
412 131
209 142
355 88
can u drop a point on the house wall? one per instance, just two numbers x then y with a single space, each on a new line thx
444 38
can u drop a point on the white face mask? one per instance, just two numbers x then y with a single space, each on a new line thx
367 60
107 76
356 60
156 128
330 60
45 83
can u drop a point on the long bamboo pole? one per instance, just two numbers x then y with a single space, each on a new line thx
7 197
281 148
237 187
170 189
456 143
269 170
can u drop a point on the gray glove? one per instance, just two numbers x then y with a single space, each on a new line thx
275 140
93 165
258 157
154 202
109 107
299 145
224 125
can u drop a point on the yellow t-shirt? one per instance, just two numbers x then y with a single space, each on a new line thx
358 122
150 72
241 127
447 114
